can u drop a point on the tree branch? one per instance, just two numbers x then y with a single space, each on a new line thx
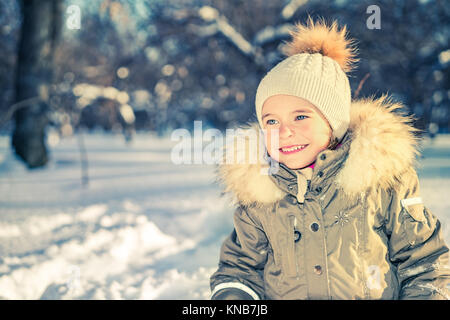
16 106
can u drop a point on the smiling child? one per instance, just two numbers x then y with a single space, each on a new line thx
343 217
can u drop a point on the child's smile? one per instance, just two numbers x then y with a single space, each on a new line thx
302 130
292 149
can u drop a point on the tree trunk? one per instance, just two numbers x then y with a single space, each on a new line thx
41 23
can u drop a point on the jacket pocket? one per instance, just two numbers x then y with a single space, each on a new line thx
417 222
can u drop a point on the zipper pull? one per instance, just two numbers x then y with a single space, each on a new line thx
297 234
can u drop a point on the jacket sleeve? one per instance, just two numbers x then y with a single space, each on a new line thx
416 244
242 259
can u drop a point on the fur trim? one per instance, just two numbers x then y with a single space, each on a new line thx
326 40
382 149
248 182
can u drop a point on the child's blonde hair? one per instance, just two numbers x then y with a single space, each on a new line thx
333 142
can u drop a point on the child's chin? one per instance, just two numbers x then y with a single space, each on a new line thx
293 163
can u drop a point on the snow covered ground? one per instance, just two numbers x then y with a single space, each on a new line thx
143 228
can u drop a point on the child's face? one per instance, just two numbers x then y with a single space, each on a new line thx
299 123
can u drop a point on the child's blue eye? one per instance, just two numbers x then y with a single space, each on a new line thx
297 117
271 121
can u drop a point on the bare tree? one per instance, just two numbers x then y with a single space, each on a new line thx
42 20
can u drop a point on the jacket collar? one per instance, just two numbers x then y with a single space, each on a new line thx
379 146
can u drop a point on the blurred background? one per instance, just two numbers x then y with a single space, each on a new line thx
152 65
90 92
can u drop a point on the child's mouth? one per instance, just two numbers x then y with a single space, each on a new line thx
292 149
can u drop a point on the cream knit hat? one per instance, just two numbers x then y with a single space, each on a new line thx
318 58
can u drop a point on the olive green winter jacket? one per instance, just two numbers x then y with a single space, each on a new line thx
361 231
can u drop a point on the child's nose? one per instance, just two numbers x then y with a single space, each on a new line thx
285 131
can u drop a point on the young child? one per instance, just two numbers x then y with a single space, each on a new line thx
342 217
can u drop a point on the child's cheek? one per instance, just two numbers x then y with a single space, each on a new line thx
322 135
272 144
304 132
305 124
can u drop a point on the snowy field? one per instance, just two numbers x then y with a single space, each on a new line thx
143 228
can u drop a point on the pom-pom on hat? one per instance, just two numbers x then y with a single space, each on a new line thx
318 58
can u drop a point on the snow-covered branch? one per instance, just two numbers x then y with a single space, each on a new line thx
291 8
221 24
271 34
217 23
253 49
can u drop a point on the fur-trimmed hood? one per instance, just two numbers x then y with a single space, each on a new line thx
382 146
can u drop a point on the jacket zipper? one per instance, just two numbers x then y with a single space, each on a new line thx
294 225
